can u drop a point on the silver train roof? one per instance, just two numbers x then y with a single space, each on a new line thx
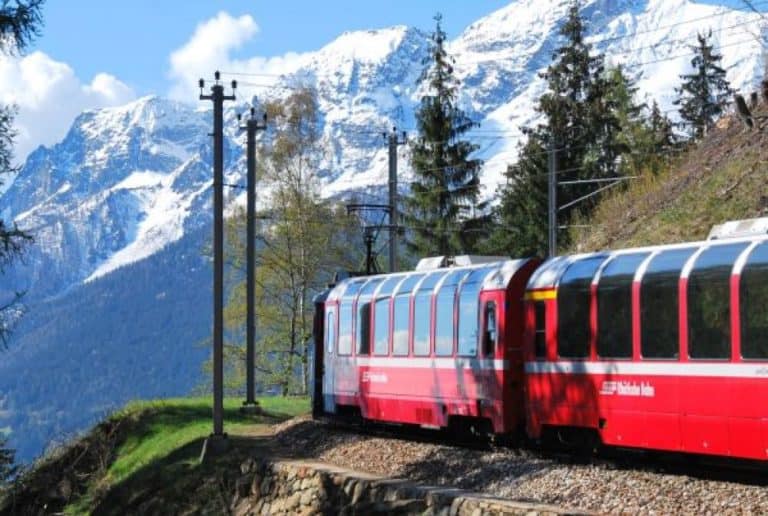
490 276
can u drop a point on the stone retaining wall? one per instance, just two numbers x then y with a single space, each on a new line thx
303 488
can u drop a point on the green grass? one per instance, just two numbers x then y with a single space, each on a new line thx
162 441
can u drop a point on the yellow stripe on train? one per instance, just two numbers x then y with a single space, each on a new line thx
541 295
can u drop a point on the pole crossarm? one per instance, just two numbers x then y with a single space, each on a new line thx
599 180
585 197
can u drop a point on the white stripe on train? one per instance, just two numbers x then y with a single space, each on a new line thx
425 363
713 370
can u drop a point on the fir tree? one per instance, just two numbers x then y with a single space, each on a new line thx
579 123
443 211
703 95
19 24
7 467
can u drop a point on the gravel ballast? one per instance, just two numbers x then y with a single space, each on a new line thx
524 475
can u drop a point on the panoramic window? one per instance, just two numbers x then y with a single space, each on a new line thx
709 302
444 321
422 312
659 304
381 328
540 337
614 306
573 299
469 304
345 328
401 316
753 293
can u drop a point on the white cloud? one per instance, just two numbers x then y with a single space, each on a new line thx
49 96
210 48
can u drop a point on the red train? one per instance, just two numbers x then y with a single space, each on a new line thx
662 348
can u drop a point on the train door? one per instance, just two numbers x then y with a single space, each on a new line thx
329 360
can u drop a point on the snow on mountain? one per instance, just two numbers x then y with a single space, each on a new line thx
127 181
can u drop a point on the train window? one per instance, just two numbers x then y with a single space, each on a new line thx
573 299
491 329
330 332
407 286
400 336
469 304
389 285
444 321
363 327
659 302
753 293
422 312
540 337
709 302
381 328
345 328
614 306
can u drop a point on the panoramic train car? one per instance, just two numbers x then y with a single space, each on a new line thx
663 347
436 347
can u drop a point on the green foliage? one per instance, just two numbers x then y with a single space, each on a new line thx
580 125
442 213
20 23
703 95
144 459
7 468
593 127
302 240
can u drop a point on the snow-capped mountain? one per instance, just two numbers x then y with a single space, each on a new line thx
127 181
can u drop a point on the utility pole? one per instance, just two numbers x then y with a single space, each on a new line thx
252 126
217 441
394 140
552 197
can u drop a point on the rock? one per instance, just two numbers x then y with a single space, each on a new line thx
306 497
243 486
357 494
247 466
265 485
256 486
292 502
349 486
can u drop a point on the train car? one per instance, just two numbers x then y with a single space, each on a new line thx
662 348
436 347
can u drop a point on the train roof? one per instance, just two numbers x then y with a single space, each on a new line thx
551 271
488 276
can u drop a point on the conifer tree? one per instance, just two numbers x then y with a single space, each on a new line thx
7 467
579 123
703 95
442 211
19 24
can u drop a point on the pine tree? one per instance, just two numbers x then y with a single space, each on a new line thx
19 24
580 124
7 467
442 211
703 94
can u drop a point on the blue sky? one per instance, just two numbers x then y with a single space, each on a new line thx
132 40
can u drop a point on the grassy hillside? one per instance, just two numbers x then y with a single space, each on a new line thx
145 459
724 177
